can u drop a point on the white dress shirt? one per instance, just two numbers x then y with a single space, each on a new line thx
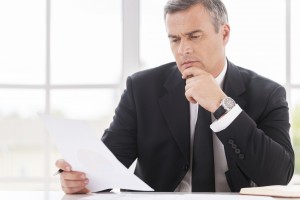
220 162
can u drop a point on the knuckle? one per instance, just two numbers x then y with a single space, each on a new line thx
82 184
186 94
68 176
186 87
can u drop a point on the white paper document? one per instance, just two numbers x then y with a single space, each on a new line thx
79 146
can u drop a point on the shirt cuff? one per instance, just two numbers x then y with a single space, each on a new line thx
226 120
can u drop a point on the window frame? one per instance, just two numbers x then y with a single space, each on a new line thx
130 64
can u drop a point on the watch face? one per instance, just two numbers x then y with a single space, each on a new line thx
228 103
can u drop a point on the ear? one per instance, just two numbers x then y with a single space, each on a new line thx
226 33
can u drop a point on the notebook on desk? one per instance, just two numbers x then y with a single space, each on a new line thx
290 191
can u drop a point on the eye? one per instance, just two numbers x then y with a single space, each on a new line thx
174 40
195 36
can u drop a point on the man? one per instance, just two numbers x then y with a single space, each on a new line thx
162 116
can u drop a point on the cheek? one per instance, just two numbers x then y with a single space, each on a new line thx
177 57
175 52
212 48
173 49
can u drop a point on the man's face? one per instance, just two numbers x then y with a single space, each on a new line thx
194 41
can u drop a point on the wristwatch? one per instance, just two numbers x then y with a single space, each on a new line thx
226 105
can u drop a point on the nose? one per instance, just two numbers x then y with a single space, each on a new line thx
184 48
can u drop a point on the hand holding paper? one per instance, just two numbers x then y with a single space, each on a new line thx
76 142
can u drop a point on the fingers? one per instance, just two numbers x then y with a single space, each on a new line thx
191 81
75 190
62 164
189 89
189 96
191 72
202 88
72 182
74 186
73 175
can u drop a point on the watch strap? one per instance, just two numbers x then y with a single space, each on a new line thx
219 112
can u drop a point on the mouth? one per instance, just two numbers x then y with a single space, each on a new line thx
188 63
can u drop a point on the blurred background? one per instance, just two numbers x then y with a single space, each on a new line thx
70 58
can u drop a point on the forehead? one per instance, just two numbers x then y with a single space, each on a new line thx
195 17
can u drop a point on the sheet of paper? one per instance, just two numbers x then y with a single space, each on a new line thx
79 146
273 190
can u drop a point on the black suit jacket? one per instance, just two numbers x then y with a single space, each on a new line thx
152 124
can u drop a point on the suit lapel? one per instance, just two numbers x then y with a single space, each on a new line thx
234 85
175 109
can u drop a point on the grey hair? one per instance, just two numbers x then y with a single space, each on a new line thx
215 8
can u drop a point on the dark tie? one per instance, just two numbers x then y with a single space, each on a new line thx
203 175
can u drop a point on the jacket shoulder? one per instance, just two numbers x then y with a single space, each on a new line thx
256 81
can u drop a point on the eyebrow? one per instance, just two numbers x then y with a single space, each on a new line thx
188 33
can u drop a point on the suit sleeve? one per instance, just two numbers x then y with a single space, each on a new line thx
120 137
261 149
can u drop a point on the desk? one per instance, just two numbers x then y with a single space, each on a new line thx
58 195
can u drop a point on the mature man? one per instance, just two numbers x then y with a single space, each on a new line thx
201 124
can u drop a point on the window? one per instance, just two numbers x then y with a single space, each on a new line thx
154 43
258 40
86 42
70 58
62 57
23 40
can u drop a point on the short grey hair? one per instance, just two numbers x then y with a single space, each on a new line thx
215 8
